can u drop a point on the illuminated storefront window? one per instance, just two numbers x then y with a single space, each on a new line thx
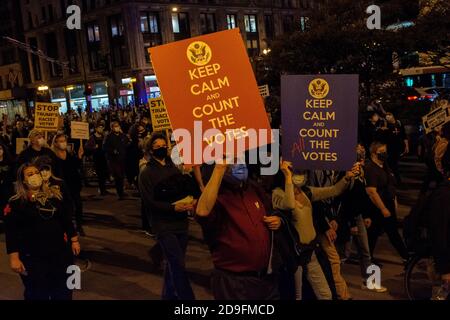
151 87
77 99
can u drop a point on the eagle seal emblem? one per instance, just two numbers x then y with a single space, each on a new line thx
318 88
199 53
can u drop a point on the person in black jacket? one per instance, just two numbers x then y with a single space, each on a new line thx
438 212
6 177
40 237
397 143
115 146
137 133
69 165
95 147
19 131
167 194
371 131
44 165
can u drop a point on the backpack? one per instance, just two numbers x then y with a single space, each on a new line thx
287 241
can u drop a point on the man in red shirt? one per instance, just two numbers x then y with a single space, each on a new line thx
237 228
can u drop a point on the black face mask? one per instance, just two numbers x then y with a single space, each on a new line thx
160 153
382 156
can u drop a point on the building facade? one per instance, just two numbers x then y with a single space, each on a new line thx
13 62
108 56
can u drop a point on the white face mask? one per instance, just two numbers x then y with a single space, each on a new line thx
46 174
63 146
35 181
41 142
299 180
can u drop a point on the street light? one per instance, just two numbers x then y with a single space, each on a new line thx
175 9
42 88
266 51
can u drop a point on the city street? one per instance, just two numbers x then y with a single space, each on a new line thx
101 102
120 266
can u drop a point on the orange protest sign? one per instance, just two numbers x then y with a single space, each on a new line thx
209 80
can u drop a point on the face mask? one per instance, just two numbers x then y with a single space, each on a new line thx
299 180
63 146
382 156
160 153
46 174
35 181
41 142
240 172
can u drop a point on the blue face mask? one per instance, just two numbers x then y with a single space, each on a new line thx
239 172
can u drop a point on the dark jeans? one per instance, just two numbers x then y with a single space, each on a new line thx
132 168
232 286
46 277
388 225
78 204
432 175
117 169
176 282
145 218
393 160
101 169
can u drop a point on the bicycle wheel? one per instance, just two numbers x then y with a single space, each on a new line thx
420 277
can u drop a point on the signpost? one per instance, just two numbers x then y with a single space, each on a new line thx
264 91
436 118
21 144
158 112
160 118
79 130
46 116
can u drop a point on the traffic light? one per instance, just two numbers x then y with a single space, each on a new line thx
88 90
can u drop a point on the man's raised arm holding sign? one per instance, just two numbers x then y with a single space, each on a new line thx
231 210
